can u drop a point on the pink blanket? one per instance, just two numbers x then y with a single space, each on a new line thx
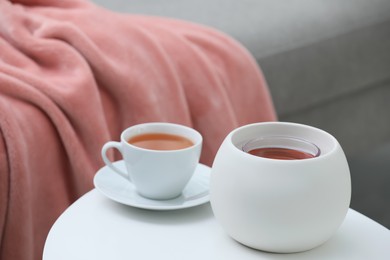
73 75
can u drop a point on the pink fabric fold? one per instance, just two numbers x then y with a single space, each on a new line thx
74 75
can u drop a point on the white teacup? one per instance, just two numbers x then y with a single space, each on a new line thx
280 205
155 173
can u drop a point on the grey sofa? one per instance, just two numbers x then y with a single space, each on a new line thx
327 63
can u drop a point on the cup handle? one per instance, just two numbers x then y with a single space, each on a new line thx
118 146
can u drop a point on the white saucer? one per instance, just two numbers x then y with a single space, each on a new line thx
118 189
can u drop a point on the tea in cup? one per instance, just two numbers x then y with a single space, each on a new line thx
160 158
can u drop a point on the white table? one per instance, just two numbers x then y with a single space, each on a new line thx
95 227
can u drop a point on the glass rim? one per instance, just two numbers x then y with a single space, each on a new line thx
261 142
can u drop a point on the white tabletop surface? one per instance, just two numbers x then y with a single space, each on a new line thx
95 227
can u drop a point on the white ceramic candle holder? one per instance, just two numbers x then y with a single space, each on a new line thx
275 205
